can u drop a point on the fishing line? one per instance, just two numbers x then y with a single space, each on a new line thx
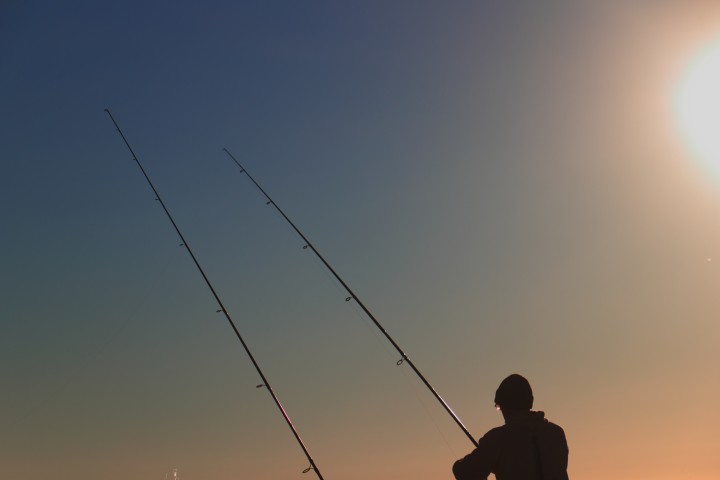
351 296
220 304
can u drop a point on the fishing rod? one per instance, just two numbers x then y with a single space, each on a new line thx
403 356
222 309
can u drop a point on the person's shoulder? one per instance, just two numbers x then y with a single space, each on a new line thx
553 430
540 417
555 427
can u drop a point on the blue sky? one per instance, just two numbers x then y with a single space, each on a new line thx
501 182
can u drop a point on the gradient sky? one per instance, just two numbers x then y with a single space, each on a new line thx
502 183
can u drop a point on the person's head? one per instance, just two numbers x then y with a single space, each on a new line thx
514 394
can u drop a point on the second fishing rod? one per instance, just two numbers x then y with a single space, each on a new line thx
403 356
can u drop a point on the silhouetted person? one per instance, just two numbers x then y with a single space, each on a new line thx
527 447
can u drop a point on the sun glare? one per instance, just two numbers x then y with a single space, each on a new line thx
697 106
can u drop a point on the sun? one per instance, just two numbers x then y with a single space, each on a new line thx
697 106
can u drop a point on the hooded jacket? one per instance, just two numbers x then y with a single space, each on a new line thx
527 447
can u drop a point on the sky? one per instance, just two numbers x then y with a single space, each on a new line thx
504 184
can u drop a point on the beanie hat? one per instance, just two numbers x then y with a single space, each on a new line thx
514 393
